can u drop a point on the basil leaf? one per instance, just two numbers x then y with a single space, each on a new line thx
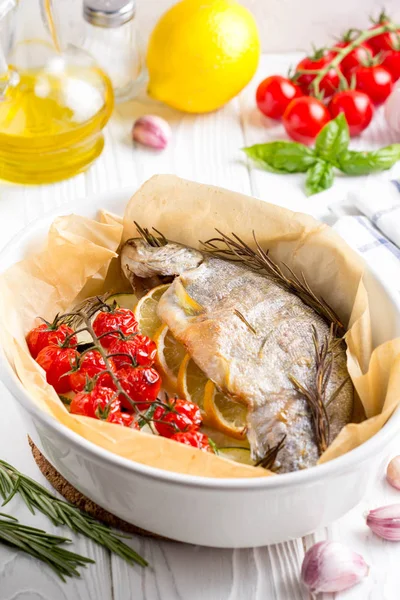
333 139
319 178
362 163
282 157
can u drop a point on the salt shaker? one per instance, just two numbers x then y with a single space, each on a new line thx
112 39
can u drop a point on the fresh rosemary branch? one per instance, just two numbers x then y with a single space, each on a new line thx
316 395
42 545
234 248
60 512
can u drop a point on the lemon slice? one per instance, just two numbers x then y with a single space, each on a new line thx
146 311
123 300
224 414
191 382
170 354
241 455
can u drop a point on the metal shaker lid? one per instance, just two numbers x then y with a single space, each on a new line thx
108 13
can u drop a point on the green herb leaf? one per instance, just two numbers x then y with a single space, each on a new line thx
282 157
213 445
363 163
319 178
333 139
65 400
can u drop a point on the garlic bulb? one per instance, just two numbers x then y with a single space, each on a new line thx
392 110
151 131
332 567
385 522
393 472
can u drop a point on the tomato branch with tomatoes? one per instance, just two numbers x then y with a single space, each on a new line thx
352 77
112 377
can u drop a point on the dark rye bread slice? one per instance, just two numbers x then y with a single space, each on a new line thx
71 494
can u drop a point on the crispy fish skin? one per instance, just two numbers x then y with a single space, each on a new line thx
253 365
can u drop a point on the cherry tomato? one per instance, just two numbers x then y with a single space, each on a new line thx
90 365
121 319
329 83
140 348
304 118
121 418
357 108
384 41
141 384
94 403
57 361
177 415
46 335
356 57
274 94
193 438
391 63
375 81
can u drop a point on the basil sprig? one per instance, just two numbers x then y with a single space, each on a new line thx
330 152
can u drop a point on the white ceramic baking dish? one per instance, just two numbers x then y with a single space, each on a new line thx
221 513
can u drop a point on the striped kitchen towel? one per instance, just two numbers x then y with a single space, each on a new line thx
369 221
380 202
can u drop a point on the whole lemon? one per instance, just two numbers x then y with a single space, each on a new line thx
201 54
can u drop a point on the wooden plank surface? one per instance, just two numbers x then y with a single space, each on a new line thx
205 149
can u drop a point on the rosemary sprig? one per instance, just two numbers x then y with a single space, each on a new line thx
87 308
60 512
43 546
151 239
268 460
316 395
233 248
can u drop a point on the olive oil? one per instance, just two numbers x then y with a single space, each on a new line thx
51 121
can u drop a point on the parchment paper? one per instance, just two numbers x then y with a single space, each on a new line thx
81 260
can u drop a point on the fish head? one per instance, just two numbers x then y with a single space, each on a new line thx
140 259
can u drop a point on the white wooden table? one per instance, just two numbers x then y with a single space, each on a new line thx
204 149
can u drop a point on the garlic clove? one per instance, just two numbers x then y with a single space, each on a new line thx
332 567
385 522
393 472
151 131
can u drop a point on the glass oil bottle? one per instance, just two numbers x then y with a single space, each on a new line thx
54 103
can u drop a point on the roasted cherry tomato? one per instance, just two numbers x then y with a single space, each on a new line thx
57 361
46 335
391 63
375 81
100 403
141 384
356 57
384 41
95 402
136 350
304 118
193 438
121 319
177 415
90 365
329 83
122 418
357 108
274 94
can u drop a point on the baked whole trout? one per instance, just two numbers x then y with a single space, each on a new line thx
255 360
